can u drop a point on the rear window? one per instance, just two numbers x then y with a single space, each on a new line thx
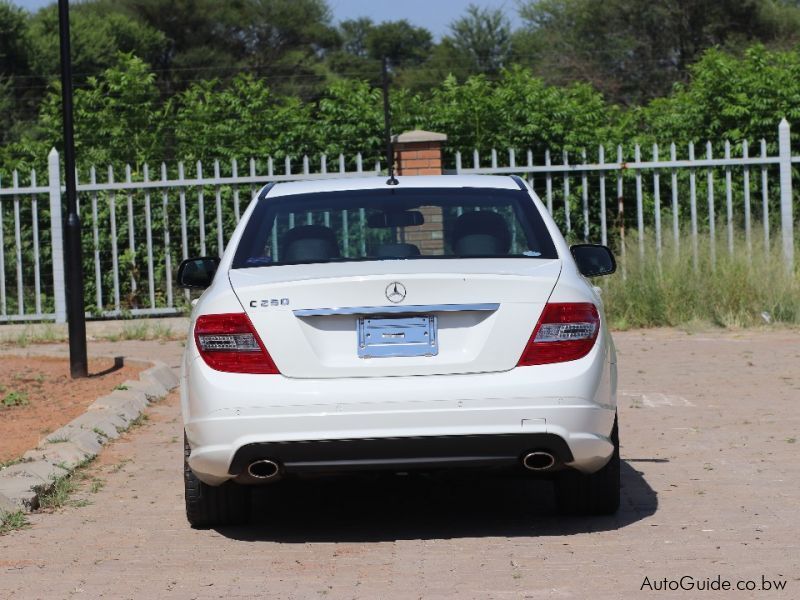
392 224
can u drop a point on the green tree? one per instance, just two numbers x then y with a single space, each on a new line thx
241 120
352 59
19 90
634 50
729 98
286 40
364 46
98 32
483 36
400 42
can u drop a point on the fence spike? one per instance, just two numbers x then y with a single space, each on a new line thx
747 216
787 218
548 182
712 227
765 198
657 202
601 159
729 197
673 154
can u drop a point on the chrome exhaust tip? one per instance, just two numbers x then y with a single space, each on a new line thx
538 461
264 469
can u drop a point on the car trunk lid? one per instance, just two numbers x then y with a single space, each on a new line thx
396 318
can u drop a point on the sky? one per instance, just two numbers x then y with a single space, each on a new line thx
435 15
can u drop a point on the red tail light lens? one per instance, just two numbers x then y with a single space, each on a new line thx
565 331
229 342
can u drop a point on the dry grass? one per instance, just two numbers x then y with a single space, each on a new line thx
742 289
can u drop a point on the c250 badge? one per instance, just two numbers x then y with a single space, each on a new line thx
269 302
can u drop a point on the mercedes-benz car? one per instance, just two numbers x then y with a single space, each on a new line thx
423 323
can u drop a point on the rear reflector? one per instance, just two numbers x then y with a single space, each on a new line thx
228 342
565 331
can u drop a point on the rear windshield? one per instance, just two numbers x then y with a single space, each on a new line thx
392 224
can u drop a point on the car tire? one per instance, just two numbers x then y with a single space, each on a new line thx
591 494
210 506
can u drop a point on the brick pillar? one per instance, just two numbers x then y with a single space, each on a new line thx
420 153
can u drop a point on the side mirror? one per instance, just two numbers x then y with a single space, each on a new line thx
197 273
593 260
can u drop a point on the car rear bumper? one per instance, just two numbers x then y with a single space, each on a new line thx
425 452
398 423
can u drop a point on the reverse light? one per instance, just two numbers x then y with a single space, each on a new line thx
565 331
229 342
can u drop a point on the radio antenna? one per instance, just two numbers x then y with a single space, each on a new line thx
387 124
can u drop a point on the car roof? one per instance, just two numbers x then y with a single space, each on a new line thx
343 184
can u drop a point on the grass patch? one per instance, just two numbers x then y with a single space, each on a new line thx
744 289
12 399
59 493
11 521
142 330
120 465
7 463
62 488
137 422
35 334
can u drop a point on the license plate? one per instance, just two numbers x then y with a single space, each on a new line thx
397 336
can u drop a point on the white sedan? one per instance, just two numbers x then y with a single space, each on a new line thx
439 323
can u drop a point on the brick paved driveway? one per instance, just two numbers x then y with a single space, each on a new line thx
709 426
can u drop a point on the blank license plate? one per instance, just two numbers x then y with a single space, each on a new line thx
397 336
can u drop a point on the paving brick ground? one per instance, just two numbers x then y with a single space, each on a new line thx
709 426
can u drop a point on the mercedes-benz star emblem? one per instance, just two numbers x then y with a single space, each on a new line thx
395 292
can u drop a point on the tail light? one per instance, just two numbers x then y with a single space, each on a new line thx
565 331
228 342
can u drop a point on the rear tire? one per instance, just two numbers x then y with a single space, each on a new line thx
594 494
209 506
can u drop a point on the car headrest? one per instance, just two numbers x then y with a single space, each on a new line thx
481 233
396 251
309 243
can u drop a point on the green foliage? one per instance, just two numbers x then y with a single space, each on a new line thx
730 98
98 33
634 50
519 111
483 35
399 41
163 81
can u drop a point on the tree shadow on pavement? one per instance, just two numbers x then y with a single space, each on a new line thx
384 508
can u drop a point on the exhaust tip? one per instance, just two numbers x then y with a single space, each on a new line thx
538 461
264 469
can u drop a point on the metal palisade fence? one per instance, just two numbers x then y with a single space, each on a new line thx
138 225
589 220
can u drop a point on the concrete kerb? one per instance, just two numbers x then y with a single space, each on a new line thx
80 440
